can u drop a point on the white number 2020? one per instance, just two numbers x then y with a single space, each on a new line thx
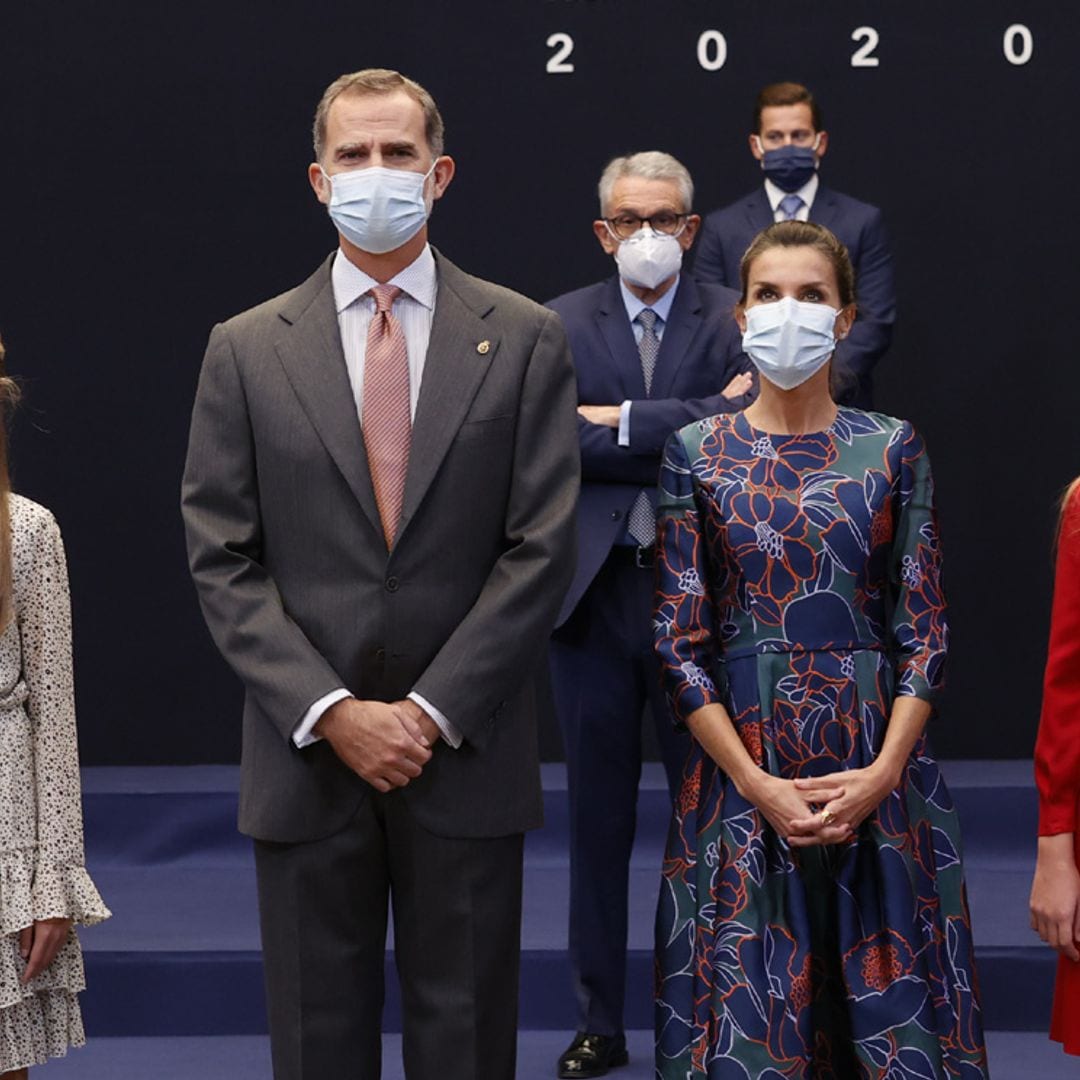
557 64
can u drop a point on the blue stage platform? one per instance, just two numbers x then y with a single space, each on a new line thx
178 966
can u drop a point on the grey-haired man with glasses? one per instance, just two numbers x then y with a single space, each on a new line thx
653 350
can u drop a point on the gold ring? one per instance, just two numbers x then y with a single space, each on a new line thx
827 817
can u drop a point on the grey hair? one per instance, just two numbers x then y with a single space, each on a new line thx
648 165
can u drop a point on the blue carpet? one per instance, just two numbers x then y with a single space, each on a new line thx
181 957
1013 1056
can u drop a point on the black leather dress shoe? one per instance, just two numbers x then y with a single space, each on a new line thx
592 1055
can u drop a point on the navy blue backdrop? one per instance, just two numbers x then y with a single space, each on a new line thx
154 183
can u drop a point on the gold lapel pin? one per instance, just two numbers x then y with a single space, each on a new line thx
483 348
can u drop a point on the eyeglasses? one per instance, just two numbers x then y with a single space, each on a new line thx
664 223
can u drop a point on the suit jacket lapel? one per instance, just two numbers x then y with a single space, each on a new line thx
823 209
310 351
759 213
684 321
460 351
618 335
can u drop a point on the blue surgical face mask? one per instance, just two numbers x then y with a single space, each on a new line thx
790 340
790 167
378 209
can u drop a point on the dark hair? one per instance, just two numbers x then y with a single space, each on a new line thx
787 93
379 81
792 234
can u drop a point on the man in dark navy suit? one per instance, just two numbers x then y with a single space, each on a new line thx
653 350
789 140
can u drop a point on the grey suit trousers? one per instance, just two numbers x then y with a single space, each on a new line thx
457 913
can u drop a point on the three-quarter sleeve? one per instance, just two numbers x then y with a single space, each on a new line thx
919 626
1057 748
683 622
61 887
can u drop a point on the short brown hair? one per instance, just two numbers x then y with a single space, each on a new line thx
787 93
792 234
379 81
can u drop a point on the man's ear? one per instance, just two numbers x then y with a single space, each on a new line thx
602 233
319 183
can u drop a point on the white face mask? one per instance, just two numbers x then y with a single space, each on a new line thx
378 209
790 340
647 259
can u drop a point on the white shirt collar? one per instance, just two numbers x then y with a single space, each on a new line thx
806 192
417 280
634 306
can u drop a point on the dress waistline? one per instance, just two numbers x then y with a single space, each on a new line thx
763 647
14 700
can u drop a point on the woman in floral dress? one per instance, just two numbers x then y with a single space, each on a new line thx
44 887
813 921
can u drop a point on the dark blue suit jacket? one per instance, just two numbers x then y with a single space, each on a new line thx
700 353
727 233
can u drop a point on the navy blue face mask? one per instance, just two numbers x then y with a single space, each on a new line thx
789 167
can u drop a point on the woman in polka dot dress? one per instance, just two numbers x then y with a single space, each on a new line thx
44 887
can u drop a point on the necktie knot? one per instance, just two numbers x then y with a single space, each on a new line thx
791 205
384 296
647 317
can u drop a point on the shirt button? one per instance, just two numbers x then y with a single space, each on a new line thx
616 514
391 584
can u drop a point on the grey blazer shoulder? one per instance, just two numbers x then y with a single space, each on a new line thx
294 578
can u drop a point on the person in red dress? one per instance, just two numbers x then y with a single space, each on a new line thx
1055 892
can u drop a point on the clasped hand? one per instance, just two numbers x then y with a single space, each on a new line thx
824 809
386 744
39 943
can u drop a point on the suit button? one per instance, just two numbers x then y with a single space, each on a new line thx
391 584
616 514
380 655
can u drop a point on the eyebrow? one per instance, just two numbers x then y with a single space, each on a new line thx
757 283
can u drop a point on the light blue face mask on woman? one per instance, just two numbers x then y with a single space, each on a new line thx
378 209
789 340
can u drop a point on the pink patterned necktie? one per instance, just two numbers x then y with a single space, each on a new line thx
385 416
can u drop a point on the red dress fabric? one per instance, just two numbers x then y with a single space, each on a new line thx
1057 750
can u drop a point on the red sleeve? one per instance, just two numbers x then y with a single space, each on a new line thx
1057 749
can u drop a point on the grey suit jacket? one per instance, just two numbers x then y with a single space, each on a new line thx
293 574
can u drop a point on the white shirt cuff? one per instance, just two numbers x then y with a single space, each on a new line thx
302 734
624 423
451 735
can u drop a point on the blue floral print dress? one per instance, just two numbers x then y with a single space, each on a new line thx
799 584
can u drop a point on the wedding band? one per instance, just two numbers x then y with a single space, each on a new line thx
827 817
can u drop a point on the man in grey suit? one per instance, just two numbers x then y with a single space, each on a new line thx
379 500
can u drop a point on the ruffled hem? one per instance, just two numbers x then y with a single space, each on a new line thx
29 891
39 1027
64 975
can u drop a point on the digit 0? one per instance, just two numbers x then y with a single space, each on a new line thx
712 50
1018 34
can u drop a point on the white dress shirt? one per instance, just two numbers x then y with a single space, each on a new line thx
806 193
634 307
414 310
